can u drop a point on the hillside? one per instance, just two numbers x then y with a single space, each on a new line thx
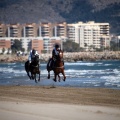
28 11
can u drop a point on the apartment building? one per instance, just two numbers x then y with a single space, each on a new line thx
52 29
3 30
45 30
49 42
29 30
90 34
87 35
14 30
37 44
71 32
5 44
60 30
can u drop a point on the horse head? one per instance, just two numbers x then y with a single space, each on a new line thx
36 60
60 55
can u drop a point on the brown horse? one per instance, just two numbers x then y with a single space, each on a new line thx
33 68
58 67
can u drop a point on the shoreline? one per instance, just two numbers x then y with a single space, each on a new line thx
68 57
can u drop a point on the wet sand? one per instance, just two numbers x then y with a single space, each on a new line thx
58 103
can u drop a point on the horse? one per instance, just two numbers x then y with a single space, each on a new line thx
57 68
33 68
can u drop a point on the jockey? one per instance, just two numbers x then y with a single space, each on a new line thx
32 54
55 52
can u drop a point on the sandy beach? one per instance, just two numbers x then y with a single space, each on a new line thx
58 103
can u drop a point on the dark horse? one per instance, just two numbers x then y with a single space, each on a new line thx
33 68
58 67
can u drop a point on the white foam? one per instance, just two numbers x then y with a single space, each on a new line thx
116 71
83 63
107 64
112 80
6 69
44 72
11 63
11 70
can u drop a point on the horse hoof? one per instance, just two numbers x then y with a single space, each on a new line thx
54 80
64 79
48 77
36 81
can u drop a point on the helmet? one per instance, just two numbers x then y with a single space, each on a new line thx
56 46
33 51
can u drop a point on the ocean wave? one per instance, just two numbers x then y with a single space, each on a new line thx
107 64
11 70
6 69
111 79
11 63
116 71
83 63
73 71
44 72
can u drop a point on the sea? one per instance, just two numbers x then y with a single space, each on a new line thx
82 74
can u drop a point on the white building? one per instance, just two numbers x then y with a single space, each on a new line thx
89 34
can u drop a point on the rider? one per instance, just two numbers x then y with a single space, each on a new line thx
55 52
32 55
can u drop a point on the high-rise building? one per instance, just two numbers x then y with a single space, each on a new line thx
5 44
3 30
88 35
71 32
37 44
29 30
14 30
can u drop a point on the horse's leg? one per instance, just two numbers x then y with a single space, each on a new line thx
29 75
63 73
54 77
32 76
48 74
35 78
39 77
58 77
48 68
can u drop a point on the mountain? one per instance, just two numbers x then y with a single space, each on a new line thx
71 11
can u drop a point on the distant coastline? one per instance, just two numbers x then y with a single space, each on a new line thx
68 57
